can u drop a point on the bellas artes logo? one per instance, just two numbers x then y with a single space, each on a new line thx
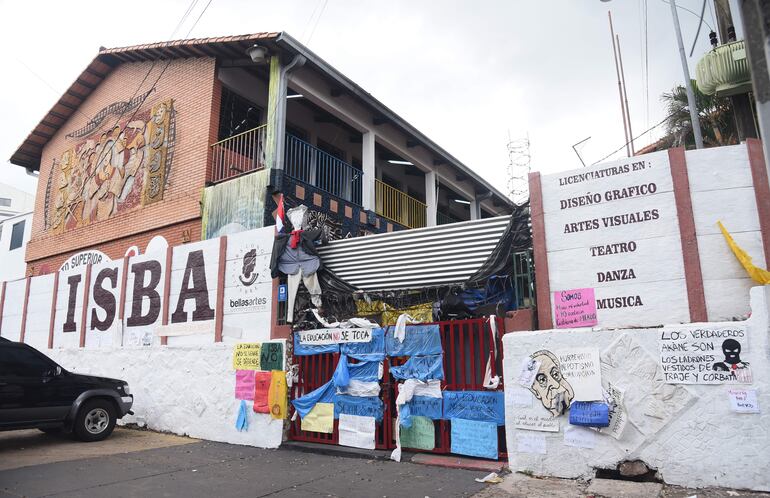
248 274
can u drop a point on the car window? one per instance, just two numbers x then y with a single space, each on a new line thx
21 362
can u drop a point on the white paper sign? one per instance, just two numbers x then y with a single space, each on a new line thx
318 337
581 368
743 400
533 422
518 398
356 431
527 371
579 437
613 396
530 442
705 354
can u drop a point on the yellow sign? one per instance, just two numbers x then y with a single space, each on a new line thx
276 395
320 418
246 356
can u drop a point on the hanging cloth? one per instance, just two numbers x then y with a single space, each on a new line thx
242 422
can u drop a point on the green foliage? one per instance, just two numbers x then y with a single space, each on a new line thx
715 115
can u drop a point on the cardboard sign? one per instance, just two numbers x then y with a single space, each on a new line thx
246 356
271 356
574 308
320 337
474 438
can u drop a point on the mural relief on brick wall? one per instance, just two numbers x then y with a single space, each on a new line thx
111 170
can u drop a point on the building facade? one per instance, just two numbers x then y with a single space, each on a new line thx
192 139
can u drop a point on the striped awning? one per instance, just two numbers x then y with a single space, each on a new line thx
425 257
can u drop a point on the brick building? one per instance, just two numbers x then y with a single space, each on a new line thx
188 140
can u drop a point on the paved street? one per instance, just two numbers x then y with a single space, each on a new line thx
198 469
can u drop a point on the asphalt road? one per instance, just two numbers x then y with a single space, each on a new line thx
205 469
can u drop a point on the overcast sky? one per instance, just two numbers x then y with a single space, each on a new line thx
466 73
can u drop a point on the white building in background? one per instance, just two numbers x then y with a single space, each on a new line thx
14 201
14 234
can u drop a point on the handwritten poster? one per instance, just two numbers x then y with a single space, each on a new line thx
536 421
244 384
474 438
579 437
246 356
486 406
589 414
708 354
530 442
319 419
421 435
271 356
356 431
581 368
320 337
743 400
574 308
262 382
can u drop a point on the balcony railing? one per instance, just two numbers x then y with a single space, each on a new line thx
238 155
445 219
311 165
399 207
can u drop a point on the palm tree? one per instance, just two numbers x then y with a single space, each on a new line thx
715 115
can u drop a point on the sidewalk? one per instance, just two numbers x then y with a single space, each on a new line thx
523 486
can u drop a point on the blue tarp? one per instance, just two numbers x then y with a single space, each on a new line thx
367 351
369 406
366 371
424 406
418 340
304 350
324 394
421 368
484 406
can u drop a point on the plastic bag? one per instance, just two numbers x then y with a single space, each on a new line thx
483 406
324 394
373 350
421 368
419 340
277 395
341 377
366 371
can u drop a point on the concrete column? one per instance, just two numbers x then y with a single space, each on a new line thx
276 109
368 160
475 209
431 198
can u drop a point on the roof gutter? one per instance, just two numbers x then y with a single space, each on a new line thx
290 44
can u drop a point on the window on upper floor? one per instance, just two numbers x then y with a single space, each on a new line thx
17 235
237 114
5 202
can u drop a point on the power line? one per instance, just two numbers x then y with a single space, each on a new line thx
635 138
312 32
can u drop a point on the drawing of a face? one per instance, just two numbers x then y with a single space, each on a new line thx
732 351
549 386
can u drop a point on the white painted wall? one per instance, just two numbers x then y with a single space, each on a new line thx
186 390
12 309
21 201
693 439
721 188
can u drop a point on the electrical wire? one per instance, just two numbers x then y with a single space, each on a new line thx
688 10
700 23
312 32
635 138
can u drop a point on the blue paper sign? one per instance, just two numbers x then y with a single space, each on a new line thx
365 406
373 350
418 340
425 406
485 406
305 350
589 413
421 368
474 438
283 293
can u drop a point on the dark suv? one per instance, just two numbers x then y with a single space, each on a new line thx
35 392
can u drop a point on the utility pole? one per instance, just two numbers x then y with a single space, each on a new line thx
620 87
687 82
625 96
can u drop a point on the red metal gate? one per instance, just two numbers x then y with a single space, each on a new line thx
467 345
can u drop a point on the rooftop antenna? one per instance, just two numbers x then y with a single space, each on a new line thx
518 169
578 153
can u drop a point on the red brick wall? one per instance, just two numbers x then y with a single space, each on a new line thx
175 234
190 82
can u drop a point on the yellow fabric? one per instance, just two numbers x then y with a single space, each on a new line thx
756 273
276 395
420 312
320 418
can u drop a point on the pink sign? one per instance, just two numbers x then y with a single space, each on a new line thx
244 384
574 308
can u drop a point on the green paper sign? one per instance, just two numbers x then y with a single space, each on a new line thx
420 436
271 356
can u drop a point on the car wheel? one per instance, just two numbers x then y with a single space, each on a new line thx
95 420
50 430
